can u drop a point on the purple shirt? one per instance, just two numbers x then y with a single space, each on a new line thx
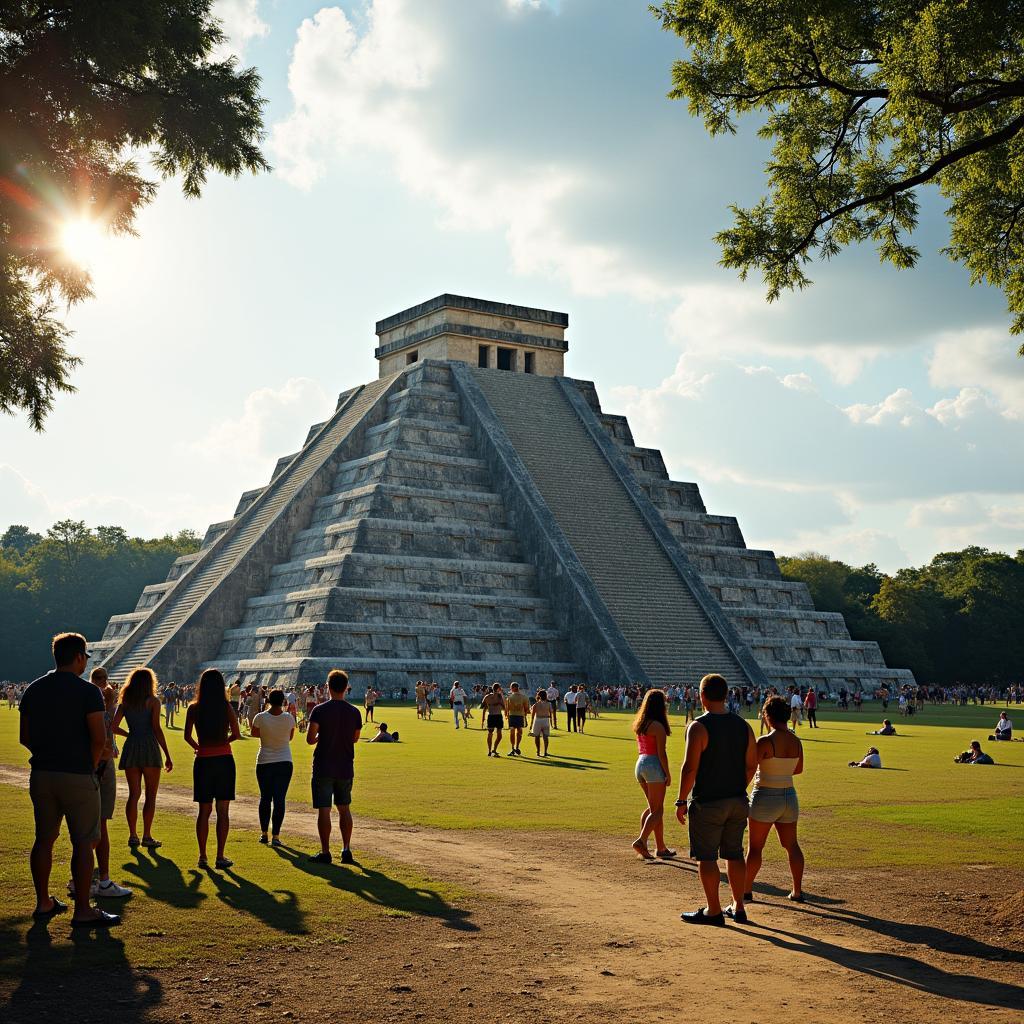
335 750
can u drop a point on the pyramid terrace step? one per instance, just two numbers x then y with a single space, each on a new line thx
360 604
408 571
732 591
389 640
791 650
391 673
754 621
850 676
423 504
723 560
703 528
416 468
421 403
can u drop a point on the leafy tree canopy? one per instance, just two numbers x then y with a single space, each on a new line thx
85 87
865 103
73 578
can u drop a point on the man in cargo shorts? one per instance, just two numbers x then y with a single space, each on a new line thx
62 726
719 762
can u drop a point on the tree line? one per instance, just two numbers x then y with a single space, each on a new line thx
72 578
960 618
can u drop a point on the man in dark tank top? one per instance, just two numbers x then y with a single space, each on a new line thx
720 761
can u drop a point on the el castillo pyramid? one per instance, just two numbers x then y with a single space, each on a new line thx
474 514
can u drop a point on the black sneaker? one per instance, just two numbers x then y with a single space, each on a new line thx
701 917
739 916
347 858
320 858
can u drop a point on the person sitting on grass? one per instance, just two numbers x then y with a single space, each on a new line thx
974 755
1004 728
888 729
870 760
382 735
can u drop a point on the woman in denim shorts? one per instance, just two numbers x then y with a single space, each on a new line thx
652 772
780 756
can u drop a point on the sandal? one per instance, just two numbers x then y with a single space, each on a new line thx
102 920
203 862
222 863
666 854
152 844
134 843
57 908
796 897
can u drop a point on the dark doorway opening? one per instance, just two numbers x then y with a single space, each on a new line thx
528 363
481 359
506 358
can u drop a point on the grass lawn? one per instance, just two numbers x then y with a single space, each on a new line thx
179 912
922 809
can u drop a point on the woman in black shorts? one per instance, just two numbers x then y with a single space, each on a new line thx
215 725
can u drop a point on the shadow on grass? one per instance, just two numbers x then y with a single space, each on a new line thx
282 914
904 970
62 981
554 760
161 879
379 890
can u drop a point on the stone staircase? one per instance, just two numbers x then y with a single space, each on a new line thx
662 621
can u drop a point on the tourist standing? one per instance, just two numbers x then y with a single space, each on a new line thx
811 706
235 695
796 707
517 707
457 699
553 695
334 728
493 708
369 702
582 703
274 728
212 720
773 802
651 729
540 721
570 709
62 727
106 775
719 762
139 709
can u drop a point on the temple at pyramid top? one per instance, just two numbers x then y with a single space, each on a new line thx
494 335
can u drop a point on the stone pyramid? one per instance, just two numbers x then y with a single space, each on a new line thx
474 514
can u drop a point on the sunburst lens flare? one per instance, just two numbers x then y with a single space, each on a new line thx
81 240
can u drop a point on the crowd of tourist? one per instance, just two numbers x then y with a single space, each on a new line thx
76 729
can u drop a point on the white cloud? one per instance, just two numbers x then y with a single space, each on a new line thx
980 358
242 24
272 422
23 502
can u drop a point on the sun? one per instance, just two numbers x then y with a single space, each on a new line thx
81 240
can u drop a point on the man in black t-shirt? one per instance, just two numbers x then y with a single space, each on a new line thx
333 730
62 725
719 762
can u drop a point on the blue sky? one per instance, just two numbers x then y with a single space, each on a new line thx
523 152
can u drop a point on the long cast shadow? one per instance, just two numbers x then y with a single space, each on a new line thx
901 970
58 981
916 934
378 889
282 914
161 879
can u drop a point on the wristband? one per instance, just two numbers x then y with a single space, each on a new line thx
680 803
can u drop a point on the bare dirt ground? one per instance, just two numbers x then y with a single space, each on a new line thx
570 927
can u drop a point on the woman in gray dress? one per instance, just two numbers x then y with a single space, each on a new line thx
139 709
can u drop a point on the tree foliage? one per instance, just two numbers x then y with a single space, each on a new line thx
85 87
865 103
958 619
73 578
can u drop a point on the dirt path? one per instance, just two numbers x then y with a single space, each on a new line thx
571 927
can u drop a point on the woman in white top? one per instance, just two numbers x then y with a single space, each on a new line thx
275 729
773 802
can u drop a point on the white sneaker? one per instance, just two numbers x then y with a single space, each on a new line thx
110 890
